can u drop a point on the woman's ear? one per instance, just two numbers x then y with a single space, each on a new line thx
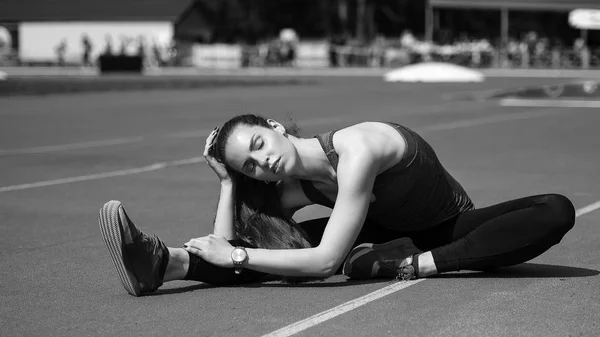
277 126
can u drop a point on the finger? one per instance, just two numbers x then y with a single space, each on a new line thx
211 137
198 243
210 141
212 133
194 251
207 149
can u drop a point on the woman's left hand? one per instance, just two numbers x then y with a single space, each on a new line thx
213 249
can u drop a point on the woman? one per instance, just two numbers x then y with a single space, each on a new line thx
383 182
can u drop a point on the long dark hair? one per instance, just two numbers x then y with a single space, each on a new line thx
259 217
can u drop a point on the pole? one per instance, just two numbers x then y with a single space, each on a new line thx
360 20
504 37
428 21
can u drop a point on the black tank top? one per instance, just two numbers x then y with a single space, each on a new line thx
415 194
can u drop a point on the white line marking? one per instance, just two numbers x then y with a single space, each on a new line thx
340 309
158 166
549 103
541 73
587 209
486 120
343 308
120 141
73 146
149 168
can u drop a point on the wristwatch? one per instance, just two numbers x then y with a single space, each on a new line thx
239 255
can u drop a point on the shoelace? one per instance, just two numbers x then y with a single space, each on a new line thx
404 276
401 274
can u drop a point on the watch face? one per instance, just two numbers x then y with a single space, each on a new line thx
238 255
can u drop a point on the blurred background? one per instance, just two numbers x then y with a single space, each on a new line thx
145 34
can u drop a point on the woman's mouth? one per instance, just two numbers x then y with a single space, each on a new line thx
275 166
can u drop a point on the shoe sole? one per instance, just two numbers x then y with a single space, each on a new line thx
110 223
365 248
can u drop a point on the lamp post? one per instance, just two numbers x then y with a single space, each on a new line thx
428 21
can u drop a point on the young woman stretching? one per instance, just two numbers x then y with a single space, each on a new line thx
391 200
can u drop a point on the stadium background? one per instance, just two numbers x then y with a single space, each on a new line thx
344 33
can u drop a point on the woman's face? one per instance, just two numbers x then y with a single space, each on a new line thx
259 152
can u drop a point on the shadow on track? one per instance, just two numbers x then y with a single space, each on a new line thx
270 283
525 270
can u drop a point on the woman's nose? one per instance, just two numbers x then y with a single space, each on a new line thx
263 161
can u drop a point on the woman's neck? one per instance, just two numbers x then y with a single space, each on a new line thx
313 164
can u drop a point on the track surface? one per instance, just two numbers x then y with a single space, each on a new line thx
58 280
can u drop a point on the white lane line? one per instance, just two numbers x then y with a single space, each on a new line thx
587 209
486 120
149 168
73 146
548 103
340 309
120 141
321 317
158 166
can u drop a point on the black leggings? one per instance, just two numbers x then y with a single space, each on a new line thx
505 234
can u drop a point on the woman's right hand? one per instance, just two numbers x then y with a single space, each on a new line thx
214 164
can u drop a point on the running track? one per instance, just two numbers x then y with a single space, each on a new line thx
63 156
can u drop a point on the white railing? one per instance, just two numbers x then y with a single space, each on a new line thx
322 55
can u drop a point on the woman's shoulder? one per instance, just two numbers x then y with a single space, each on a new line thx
367 128
365 135
379 142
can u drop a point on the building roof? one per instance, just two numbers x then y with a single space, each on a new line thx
91 10
541 5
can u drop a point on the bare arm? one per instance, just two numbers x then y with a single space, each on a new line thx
224 221
356 176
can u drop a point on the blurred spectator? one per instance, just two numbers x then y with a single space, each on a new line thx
141 48
579 45
407 39
5 39
334 42
61 50
531 50
581 52
108 48
288 39
540 54
378 52
280 51
157 54
87 50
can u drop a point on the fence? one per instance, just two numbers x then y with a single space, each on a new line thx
321 55
345 56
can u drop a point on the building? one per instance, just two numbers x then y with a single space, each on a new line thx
41 29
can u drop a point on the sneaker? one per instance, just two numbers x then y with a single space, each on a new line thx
140 260
395 259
